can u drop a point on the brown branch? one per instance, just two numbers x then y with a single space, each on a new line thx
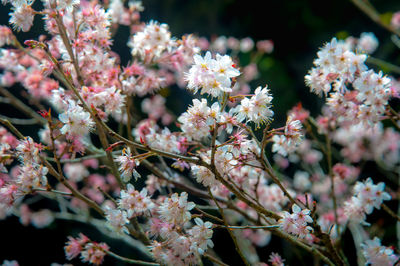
366 7
130 261
390 212
22 107
237 247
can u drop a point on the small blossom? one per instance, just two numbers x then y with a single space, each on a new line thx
378 255
367 42
202 234
212 76
176 209
396 20
22 16
204 176
77 122
94 253
276 260
196 121
293 130
116 219
135 202
74 246
127 165
296 223
152 41
256 109
367 196
67 4
6 36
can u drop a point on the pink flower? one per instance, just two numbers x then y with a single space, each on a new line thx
266 46
127 165
94 253
296 223
176 209
276 260
396 20
6 36
376 254
135 202
74 246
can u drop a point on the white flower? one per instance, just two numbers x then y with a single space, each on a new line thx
127 165
378 255
67 4
367 43
77 122
196 121
113 100
257 108
28 151
202 234
176 209
302 180
31 176
152 41
212 76
283 145
117 219
204 176
296 223
367 196
134 202
22 15
371 195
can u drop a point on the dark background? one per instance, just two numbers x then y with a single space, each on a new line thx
298 28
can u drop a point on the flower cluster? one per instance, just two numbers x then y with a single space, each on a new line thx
77 122
176 209
257 109
336 68
212 76
198 119
215 152
134 202
127 165
290 140
296 222
91 252
22 15
152 41
367 196
376 254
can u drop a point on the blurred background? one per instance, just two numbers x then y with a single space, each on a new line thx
298 28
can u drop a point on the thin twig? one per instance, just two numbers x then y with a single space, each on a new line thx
248 226
221 210
383 64
209 215
22 107
19 121
366 7
332 177
214 259
131 261
52 191
390 212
